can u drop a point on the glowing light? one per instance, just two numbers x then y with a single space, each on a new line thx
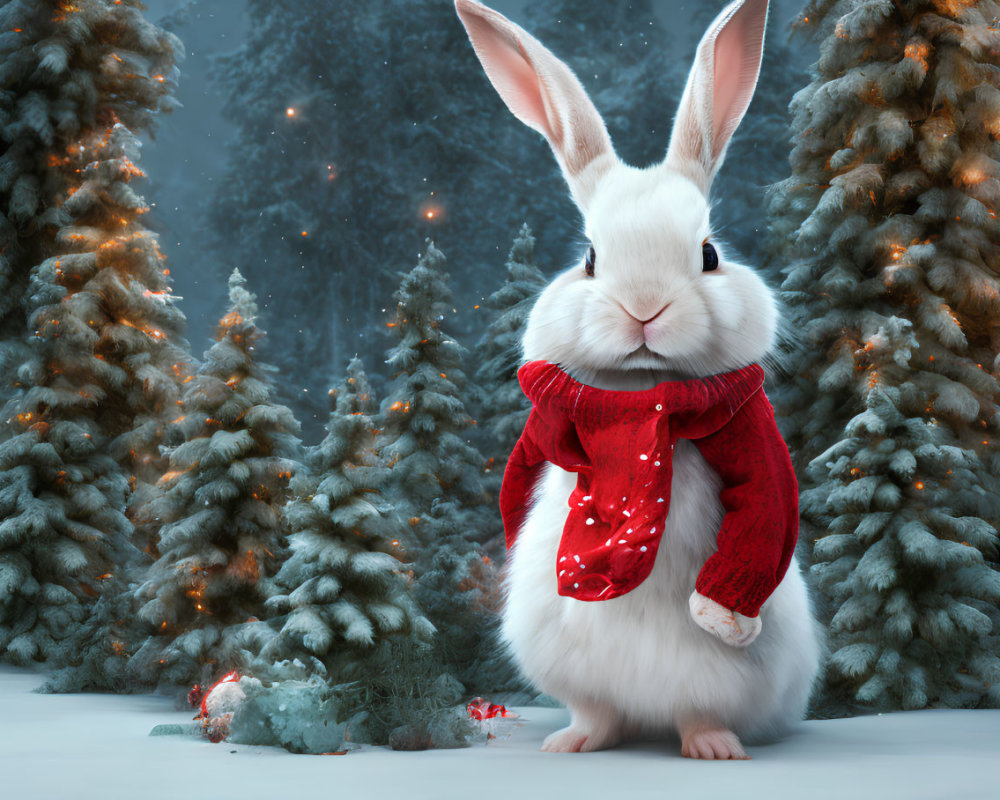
159 78
972 176
919 485
918 51
432 211
305 233
290 112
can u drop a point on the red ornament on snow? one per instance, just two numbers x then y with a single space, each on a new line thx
480 709
217 706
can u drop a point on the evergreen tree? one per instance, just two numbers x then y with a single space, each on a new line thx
66 70
222 536
342 588
504 408
89 326
888 227
365 126
435 481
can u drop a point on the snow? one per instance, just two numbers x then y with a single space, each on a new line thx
77 747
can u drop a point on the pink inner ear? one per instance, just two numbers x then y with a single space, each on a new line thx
737 59
510 71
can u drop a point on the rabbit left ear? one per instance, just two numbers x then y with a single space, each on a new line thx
718 91
542 92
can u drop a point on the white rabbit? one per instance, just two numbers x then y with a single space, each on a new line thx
644 310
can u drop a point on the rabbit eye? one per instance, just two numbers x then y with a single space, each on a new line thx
591 260
709 258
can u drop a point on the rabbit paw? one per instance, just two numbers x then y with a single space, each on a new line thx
732 627
578 740
711 743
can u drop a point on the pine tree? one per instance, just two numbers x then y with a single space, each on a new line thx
222 536
888 227
88 324
343 588
435 481
366 126
503 406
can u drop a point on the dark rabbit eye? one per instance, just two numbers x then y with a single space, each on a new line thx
591 260
709 258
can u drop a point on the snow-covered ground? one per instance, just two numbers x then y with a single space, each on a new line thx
77 747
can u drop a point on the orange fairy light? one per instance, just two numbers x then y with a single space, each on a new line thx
918 51
305 233
289 112
919 485
231 319
432 211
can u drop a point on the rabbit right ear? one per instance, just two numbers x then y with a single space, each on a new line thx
542 92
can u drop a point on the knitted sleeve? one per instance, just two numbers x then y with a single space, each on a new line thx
761 501
520 475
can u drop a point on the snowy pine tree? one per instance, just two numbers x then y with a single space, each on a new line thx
503 406
91 334
888 229
222 535
342 588
366 126
436 479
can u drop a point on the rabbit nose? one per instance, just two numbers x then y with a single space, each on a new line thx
647 321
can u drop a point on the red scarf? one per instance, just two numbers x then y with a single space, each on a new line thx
621 444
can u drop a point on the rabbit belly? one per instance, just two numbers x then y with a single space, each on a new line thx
641 654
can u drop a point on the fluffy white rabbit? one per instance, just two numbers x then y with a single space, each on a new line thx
648 305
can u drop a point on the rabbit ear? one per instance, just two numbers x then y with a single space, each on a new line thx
542 92
719 89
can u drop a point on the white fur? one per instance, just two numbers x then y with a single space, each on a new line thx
639 663
640 656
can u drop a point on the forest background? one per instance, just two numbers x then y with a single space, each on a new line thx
317 151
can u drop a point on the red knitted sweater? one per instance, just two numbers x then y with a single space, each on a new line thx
620 444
